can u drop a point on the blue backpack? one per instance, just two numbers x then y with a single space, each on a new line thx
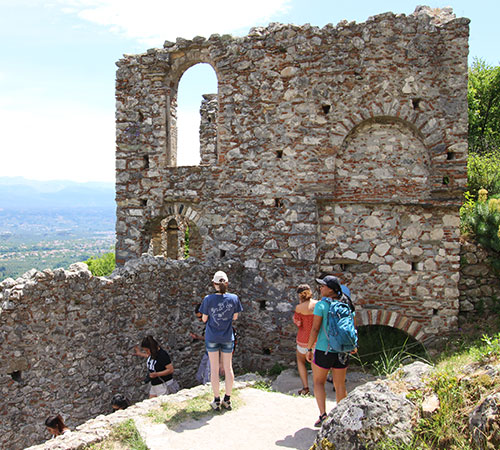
342 334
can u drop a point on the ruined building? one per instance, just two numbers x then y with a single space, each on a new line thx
339 150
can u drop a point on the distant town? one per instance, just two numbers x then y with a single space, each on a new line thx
53 232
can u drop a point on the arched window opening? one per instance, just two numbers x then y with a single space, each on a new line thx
175 238
385 348
197 107
172 239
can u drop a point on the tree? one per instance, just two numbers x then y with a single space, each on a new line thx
483 97
102 266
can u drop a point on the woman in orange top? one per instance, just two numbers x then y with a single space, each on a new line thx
303 318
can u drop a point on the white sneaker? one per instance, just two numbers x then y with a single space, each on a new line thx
215 405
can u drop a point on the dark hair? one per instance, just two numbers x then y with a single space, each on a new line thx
120 401
56 423
222 287
197 308
150 343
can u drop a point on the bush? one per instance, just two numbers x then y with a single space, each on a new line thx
482 220
483 172
101 266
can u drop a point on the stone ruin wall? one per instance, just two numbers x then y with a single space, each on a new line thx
339 150
479 283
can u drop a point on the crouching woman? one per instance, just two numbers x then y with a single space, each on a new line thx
160 367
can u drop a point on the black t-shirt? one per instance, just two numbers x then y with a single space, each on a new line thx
159 365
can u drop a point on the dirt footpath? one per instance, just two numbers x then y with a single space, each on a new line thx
265 420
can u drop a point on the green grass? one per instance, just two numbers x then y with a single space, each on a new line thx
122 436
382 349
459 393
263 386
174 413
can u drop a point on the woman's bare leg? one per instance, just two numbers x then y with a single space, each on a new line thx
319 379
227 362
214 372
301 366
339 383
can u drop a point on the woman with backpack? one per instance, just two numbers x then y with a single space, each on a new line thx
218 311
324 358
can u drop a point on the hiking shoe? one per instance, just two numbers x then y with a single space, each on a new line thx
321 419
226 404
215 405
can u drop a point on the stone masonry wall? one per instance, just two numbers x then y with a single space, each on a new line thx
479 283
66 337
339 150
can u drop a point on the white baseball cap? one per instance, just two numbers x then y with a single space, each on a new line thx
220 277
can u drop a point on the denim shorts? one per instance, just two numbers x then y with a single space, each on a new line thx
224 347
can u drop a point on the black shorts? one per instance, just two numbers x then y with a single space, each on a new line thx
331 360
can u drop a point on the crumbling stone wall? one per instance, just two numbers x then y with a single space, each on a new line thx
208 129
67 337
341 149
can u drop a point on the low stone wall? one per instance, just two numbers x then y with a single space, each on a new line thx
479 284
66 337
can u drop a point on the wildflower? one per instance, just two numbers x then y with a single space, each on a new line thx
498 234
482 195
493 205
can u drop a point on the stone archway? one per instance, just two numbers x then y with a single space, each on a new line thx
175 233
392 319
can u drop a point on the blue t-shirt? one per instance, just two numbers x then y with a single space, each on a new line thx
321 309
220 309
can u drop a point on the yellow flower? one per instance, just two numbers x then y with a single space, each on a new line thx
494 205
482 195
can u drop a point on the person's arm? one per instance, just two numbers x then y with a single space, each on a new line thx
204 317
296 319
168 370
235 316
316 325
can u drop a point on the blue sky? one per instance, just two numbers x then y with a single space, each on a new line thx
57 67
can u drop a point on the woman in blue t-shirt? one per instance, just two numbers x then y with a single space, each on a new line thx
218 311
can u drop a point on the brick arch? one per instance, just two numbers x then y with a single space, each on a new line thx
183 214
383 156
418 120
392 319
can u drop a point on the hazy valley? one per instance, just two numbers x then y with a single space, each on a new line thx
53 224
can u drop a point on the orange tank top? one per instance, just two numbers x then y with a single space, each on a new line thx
306 321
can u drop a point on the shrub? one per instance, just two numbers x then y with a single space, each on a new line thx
483 172
482 220
101 266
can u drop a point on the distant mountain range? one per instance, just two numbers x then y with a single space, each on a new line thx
23 194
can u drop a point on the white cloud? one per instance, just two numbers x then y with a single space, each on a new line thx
63 143
153 21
